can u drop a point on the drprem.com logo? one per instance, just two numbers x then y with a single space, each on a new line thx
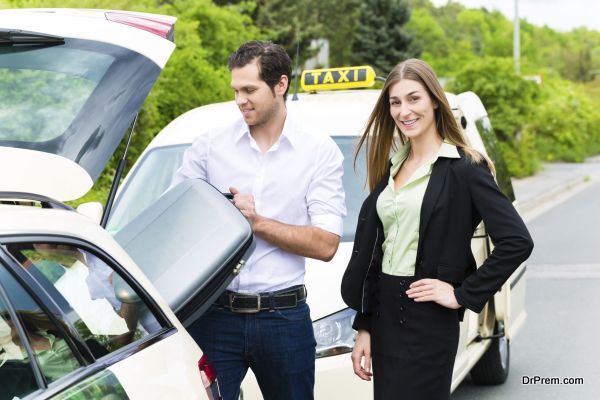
540 380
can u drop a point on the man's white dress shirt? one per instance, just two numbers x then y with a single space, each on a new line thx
298 181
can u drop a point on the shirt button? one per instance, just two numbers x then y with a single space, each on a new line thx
402 308
402 320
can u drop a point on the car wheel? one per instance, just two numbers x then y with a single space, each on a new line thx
492 368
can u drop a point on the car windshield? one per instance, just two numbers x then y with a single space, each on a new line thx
153 174
74 99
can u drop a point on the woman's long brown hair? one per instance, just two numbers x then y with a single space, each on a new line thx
378 137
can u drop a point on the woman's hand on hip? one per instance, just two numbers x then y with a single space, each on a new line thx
361 355
433 290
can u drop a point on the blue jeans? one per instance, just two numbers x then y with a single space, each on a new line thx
278 345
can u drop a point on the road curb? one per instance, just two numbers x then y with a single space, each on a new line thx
559 189
554 184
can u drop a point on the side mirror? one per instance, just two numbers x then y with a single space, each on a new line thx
92 210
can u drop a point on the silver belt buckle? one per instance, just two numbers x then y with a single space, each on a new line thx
233 296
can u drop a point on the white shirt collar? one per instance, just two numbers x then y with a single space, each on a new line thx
289 132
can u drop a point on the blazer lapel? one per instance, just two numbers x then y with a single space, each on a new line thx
436 182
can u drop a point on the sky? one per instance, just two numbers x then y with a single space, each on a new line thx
562 15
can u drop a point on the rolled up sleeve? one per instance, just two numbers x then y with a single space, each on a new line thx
325 195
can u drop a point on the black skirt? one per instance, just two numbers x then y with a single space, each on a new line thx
413 344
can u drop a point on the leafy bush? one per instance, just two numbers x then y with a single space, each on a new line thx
511 102
565 122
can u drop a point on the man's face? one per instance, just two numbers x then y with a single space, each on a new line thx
256 100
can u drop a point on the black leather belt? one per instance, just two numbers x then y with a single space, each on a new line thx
255 302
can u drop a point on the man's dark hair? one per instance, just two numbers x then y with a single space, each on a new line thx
272 61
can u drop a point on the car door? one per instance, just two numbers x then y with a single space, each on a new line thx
510 301
101 339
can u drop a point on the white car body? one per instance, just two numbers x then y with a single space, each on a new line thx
56 158
341 114
165 369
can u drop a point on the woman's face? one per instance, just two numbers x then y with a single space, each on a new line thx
412 108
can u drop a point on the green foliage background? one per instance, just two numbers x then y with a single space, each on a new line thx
551 121
470 48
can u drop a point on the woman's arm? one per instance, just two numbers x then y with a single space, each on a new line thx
512 242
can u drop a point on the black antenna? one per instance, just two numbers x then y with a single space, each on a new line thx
295 96
117 178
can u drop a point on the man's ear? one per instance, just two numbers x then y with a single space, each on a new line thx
282 85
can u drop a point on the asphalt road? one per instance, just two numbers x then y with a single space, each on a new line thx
560 336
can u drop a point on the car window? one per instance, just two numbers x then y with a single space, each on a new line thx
45 337
104 385
146 183
84 287
354 183
484 126
16 375
154 173
51 84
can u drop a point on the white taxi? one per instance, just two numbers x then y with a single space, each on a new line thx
78 317
484 338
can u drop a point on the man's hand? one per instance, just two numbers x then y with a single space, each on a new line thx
245 203
362 353
306 241
433 290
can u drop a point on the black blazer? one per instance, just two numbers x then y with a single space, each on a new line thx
460 193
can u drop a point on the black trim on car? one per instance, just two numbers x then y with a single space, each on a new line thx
46 202
518 278
37 372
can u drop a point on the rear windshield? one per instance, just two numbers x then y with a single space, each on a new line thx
75 99
156 169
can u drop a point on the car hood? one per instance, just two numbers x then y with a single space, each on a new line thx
70 87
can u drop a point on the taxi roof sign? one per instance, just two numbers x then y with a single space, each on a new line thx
337 78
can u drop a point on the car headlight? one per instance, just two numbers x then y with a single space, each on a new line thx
334 333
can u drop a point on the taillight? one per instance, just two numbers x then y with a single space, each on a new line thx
156 25
209 379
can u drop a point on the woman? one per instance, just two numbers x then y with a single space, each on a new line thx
412 272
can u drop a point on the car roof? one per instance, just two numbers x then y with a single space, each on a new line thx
335 113
23 219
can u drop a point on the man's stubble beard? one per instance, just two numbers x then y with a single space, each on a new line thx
267 115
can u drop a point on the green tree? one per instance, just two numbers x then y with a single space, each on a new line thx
381 39
428 34
510 101
292 23
565 122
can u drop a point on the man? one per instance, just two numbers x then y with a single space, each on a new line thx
288 184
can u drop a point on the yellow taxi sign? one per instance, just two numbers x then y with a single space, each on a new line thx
337 78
